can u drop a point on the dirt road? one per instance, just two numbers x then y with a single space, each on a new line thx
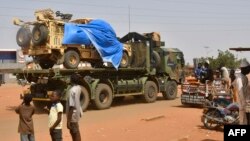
126 121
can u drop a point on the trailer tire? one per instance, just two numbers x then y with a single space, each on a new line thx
39 34
71 60
103 97
23 37
119 99
84 98
171 91
150 92
39 105
97 65
46 64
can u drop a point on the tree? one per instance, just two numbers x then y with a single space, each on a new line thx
224 58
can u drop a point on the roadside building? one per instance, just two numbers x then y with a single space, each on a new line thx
10 59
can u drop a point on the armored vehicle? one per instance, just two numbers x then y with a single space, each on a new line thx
154 70
44 42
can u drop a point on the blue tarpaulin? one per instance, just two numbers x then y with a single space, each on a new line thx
100 34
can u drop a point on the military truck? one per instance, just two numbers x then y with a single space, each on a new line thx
150 75
44 42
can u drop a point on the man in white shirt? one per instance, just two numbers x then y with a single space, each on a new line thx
73 108
242 86
225 77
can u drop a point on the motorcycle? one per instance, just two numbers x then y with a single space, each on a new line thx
215 115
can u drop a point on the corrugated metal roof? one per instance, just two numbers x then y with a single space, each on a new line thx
8 49
240 49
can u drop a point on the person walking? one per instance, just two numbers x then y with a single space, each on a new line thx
73 108
242 86
234 75
225 76
247 97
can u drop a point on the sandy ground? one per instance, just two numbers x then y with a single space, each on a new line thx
122 122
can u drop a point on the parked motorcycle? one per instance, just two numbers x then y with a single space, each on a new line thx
215 115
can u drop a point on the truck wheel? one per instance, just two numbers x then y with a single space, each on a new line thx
39 34
125 62
46 64
156 59
84 99
23 37
39 105
119 99
171 91
103 96
97 65
71 60
150 92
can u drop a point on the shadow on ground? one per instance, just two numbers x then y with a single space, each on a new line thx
11 108
218 129
189 106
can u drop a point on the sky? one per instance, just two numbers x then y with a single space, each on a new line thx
197 27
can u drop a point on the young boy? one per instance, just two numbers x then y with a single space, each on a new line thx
55 117
26 111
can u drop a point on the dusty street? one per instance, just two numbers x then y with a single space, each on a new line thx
126 121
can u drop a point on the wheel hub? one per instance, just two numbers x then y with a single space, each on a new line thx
103 97
151 93
37 34
72 60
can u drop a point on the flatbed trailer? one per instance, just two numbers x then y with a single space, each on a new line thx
100 85
154 69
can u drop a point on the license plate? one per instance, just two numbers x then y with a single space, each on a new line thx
192 99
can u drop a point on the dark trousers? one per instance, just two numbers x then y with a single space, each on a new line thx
56 135
74 131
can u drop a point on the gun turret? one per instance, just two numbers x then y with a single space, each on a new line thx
65 17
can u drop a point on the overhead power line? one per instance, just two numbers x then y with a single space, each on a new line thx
201 14
198 2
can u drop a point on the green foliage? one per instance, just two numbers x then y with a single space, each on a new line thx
224 58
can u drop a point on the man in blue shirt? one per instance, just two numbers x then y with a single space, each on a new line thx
198 71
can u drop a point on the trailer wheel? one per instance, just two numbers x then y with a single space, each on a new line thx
125 62
46 64
171 91
39 105
150 92
71 60
103 96
39 34
84 99
97 65
23 37
119 99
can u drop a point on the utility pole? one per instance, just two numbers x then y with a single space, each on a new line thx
206 48
129 18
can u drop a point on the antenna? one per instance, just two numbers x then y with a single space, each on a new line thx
129 18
